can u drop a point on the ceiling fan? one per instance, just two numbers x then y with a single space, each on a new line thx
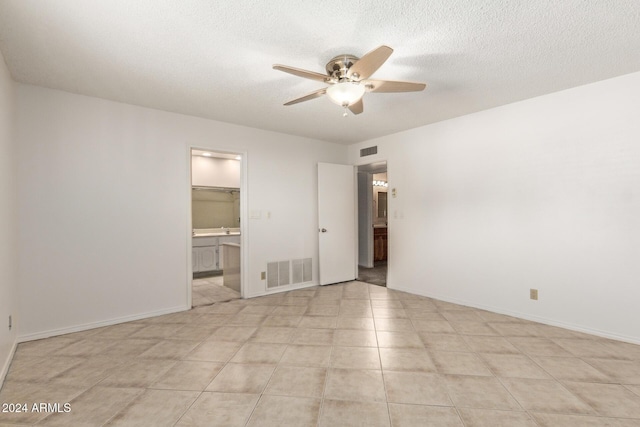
348 79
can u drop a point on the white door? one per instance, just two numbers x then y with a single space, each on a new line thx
337 223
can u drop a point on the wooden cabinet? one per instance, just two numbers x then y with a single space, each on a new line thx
380 244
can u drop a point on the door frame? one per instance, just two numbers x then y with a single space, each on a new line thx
244 238
369 220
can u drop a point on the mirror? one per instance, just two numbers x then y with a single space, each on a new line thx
382 204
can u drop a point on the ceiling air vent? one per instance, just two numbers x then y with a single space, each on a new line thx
369 151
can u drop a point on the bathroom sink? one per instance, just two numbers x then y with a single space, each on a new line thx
217 234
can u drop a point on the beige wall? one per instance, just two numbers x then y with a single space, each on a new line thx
214 209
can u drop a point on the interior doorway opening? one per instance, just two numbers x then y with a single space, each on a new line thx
373 249
216 233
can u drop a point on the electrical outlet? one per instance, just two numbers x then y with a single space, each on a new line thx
263 275
533 294
10 323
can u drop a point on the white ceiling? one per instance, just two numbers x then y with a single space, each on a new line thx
213 58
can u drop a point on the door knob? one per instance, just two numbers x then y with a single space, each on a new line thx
324 230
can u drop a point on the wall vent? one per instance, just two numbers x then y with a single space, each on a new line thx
282 273
278 274
369 151
301 270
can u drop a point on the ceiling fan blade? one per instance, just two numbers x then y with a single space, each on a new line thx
302 73
308 97
392 86
369 63
357 108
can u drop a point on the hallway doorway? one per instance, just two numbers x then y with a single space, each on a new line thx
373 223
216 231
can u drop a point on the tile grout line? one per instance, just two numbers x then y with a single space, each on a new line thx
380 309
384 383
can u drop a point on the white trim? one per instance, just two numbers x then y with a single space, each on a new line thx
93 325
189 248
371 242
7 363
244 227
543 320
356 220
282 289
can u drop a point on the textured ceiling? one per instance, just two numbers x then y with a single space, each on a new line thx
213 58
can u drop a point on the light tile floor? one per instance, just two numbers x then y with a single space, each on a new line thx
347 354
210 290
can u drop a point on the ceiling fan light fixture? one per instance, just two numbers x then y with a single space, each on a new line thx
345 93
348 80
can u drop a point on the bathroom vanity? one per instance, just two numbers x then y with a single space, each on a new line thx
207 255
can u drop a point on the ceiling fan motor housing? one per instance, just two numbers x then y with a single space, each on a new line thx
337 68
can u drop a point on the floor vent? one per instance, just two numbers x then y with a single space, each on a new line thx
282 273
369 151
278 274
301 270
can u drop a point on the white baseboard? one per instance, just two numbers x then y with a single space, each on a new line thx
525 316
7 363
93 325
283 289
87 326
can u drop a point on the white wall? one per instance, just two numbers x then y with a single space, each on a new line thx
543 193
8 221
91 174
215 172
